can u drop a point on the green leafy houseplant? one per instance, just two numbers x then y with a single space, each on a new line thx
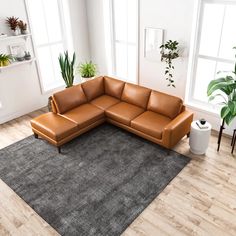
225 88
169 52
87 69
5 59
67 68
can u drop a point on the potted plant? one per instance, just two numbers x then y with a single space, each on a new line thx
13 24
87 70
67 68
5 60
23 27
169 52
225 89
27 56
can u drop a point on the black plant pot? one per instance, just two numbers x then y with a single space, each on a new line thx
27 58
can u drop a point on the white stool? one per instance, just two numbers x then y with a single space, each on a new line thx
199 138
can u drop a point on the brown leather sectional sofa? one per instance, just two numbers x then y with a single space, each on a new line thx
156 116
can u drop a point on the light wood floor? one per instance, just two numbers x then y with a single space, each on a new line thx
201 200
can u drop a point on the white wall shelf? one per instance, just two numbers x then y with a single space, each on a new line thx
17 63
24 36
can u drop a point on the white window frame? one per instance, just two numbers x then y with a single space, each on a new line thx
114 41
64 41
194 55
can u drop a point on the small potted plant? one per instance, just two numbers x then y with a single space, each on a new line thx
169 52
67 68
23 27
27 56
87 71
13 24
5 60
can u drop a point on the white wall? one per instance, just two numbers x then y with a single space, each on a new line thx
79 29
175 17
20 91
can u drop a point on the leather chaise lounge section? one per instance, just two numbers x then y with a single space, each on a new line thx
156 116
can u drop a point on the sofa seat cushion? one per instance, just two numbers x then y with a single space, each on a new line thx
84 115
54 126
103 102
151 123
123 112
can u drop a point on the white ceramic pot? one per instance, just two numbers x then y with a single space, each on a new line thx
15 32
83 79
24 31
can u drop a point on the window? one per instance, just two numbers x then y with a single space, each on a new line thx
124 38
214 52
49 39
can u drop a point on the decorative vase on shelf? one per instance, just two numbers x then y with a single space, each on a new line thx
15 32
4 63
24 32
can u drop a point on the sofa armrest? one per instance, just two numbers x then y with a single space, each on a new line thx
53 106
177 129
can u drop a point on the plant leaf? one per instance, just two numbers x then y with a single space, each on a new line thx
232 107
229 118
224 111
221 84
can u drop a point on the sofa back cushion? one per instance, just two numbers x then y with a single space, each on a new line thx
69 98
136 95
93 88
165 104
113 87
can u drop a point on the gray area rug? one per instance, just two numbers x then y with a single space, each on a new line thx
99 184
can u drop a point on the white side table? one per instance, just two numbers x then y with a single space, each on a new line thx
199 138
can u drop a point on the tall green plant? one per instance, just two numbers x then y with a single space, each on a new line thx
225 88
67 68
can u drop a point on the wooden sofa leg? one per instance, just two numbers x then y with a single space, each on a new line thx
59 149
36 135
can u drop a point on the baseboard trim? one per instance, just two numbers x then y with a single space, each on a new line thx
17 114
